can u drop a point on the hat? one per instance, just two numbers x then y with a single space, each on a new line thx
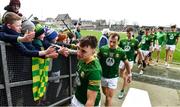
14 2
51 34
105 31
39 30
27 26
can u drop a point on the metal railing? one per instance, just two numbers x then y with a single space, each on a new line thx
16 79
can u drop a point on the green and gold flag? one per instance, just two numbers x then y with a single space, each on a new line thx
40 76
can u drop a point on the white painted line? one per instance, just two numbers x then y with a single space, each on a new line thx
137 98
158 78
163 66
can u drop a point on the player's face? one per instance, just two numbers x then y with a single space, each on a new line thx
113 42
84 53
129 34
147 32
173 29
160 30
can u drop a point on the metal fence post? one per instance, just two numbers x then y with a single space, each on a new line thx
70 76
6 73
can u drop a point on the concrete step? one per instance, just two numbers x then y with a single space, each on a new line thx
159 75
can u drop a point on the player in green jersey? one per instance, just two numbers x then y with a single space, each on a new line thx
159 42
152 35
129 45
110 56
88 75
172 38
146 45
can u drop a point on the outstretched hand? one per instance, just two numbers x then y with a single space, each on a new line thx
50 49
28 37
52 55
64 51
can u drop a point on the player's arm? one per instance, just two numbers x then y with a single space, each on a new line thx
93 87
91 97
177 39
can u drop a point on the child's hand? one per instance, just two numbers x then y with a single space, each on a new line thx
64 51
51 49
52 55
28 37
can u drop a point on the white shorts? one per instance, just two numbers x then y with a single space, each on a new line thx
152 48
109 82
158 47
122 65
145 53
171 47
76 103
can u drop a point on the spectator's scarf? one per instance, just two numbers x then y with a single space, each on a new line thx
40 76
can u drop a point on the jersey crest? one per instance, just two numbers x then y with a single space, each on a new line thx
110 61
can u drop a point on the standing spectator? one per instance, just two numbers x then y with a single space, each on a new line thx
110 57
88 75
13 6
77 30
12 26
62 38
104 38
26 37
171 41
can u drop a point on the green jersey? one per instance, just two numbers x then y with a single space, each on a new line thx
109 60
160 38
146 42
78 35
153 37
89 79
171 38
129 46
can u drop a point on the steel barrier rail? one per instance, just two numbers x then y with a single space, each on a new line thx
14 82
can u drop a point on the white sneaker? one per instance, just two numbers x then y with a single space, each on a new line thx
168 66
139 66
141 72
121 95
156 63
